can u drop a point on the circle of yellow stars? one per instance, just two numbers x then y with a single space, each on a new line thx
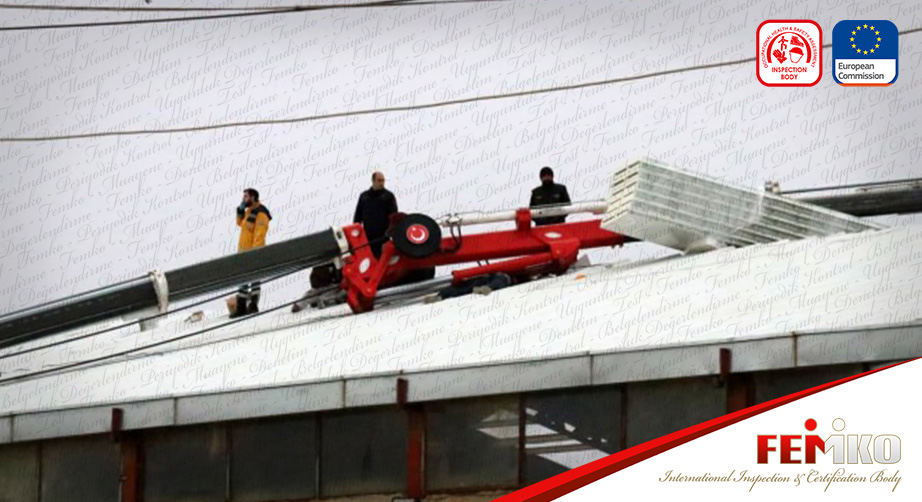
858 49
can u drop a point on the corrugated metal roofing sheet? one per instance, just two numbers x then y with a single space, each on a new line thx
534 336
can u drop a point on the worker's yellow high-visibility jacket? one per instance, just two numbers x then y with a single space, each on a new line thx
253 223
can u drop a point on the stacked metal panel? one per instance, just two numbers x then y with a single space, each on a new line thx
656 203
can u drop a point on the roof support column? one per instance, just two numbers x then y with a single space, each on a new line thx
739 386
416 451
740 392
131 465
416 442
129 487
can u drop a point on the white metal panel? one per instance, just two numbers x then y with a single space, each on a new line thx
692 360
655 364
371 391
762 355
656 203
91 420
259 403
854 346
499 379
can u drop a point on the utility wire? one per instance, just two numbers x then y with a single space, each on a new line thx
178 309
251 13
147 21
355 113
149 318
405 108
100 8
75 295
379 303
143 347
95 8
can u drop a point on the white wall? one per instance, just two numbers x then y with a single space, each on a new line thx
84 213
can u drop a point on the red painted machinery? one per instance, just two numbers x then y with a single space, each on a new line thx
416 244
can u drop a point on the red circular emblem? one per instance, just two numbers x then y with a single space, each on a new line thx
417 234
790 52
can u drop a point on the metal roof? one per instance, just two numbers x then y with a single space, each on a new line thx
843 298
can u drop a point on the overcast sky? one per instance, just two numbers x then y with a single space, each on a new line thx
85 213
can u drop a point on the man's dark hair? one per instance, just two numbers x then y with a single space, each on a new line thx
546 171
252 192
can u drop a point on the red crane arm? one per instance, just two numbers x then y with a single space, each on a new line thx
527 249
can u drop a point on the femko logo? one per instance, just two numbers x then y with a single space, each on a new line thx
845 448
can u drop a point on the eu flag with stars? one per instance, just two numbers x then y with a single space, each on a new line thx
855 42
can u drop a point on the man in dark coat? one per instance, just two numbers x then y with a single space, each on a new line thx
549 194
375 207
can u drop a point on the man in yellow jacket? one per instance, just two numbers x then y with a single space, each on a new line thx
253 219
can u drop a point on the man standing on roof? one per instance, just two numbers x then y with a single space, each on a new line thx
375 207
549 194
253 219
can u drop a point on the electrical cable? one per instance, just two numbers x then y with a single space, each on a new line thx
97 8
405 108
82 293
455 238
372 111
140 320
143 347
172 311
249 13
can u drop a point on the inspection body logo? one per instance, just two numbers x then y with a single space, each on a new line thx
880 451
806 461
790 53
844 448
865 53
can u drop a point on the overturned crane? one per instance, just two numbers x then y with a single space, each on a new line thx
648 201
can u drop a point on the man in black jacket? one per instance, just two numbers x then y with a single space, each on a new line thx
549 194
375 207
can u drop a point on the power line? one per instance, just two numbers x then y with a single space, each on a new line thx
82 293
126 352
143 319
94 8
406 108
178 309
374 110
251 13
146 21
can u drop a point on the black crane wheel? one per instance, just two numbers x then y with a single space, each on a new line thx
417 236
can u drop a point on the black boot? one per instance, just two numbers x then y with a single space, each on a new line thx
241 307
254 305
300 304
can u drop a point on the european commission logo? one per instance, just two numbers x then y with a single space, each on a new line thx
865 53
